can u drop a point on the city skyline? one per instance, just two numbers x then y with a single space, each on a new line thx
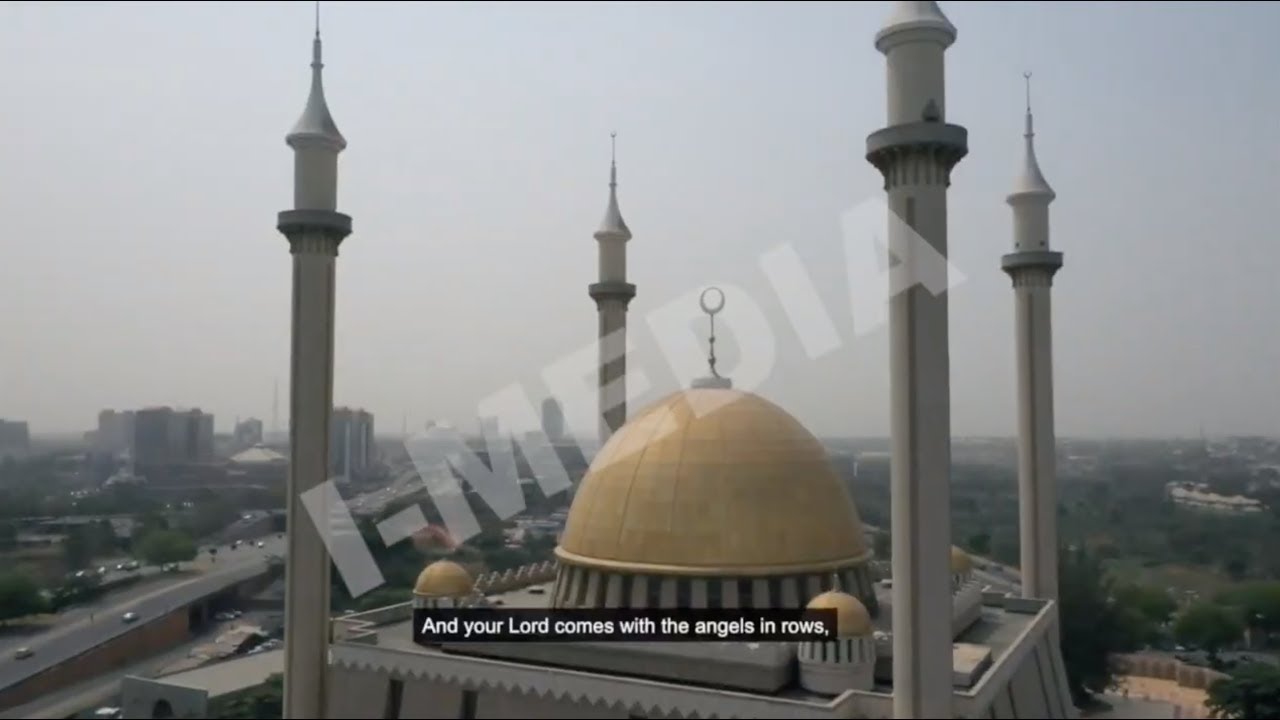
155 309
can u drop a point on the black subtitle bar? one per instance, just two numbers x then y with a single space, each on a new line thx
459 625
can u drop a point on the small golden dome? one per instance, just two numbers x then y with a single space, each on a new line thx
961 563
852 618
713 482
444 578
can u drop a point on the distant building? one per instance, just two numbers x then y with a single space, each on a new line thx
1199 496
247 433
164 436
115 431
552 419
351 445
15 439
489 427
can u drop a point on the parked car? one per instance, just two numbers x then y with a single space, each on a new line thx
261 544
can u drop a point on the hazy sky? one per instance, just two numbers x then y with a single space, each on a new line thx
144 163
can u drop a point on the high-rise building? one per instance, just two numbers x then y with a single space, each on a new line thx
552 420
164 436
151 436
489 427
15 439
351 445
248 433
115 431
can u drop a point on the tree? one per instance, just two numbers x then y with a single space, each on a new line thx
160 547
1153 603
1092 625
980 544
1258 603
1253 691
266 701
150 521
1207 626
77 548
1145 610
19 596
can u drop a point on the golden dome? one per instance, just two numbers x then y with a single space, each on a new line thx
713 482
961 563
444 578
852 618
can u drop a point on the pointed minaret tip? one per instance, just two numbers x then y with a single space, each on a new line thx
1030 182
613 224
316 124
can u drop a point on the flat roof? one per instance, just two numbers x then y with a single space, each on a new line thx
996 628
229 676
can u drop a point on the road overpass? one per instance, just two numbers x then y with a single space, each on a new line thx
168 615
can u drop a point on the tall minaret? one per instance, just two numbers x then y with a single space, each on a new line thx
612 294
314 229
1032 265
916 154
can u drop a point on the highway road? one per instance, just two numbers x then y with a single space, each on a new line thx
68 639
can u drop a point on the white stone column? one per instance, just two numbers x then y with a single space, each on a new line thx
314 237
916 153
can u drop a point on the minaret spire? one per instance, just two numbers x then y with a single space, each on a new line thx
1030 182
613 223
316 126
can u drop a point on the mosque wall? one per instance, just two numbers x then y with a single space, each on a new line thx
501 706
357 694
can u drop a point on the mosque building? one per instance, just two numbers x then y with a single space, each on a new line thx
714 497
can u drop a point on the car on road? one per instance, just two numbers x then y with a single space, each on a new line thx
129 617
261 544
23 653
